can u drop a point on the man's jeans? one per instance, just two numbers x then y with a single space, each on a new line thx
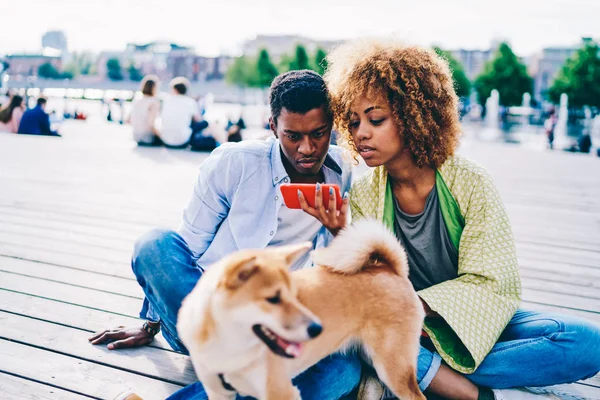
167 272
535 349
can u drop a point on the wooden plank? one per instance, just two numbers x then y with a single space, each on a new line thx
548 276
65 247
559 267
23 251
117 304
77 375
15 388
92 280
93 223
161 365
563 288
79 317
544 307
565 301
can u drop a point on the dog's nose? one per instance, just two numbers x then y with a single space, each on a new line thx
314 330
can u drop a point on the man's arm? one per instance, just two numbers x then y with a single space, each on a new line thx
209 205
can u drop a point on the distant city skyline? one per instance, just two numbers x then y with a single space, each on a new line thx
223 26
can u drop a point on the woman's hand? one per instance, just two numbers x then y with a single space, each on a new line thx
334 220
122 337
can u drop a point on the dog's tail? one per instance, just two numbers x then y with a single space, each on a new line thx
365 244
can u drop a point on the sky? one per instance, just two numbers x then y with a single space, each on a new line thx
220 26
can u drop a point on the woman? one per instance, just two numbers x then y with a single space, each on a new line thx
10 115
396 107
144 112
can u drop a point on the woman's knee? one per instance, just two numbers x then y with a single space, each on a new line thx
587 344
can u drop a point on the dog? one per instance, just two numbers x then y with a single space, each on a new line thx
250 325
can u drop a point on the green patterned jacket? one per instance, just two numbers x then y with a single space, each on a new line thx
478 304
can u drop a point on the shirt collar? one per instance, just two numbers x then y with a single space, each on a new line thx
278 170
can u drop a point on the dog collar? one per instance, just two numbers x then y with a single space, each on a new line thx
225 384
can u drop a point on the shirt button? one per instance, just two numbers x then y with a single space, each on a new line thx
276 198
286 180
271 233
276 178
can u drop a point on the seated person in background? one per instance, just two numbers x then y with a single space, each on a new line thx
180 118
144 112
11 114
36 121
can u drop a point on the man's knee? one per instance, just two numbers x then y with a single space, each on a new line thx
150 248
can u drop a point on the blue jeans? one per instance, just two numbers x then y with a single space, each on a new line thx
167 272
535 349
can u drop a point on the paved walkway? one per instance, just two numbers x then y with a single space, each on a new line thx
71 208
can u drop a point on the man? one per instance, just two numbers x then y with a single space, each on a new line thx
180 119
36 122
237 204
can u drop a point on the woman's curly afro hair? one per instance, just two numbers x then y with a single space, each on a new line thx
417 84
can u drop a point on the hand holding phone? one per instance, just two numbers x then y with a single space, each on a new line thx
321 201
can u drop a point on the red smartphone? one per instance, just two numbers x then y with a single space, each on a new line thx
290 194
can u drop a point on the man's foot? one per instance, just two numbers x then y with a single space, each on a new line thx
370 387
128 395
523 394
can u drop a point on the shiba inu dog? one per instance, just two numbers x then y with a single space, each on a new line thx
250 325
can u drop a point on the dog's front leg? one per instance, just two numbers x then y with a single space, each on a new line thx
279 384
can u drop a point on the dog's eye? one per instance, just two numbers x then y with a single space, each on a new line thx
275 299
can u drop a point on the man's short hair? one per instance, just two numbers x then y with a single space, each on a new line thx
298 92
41 101
180 84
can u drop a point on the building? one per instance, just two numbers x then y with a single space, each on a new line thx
55 40
545 67
198 68
278 45
473 61
24 65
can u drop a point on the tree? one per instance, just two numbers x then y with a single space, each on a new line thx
113 67
579 78
320 61
266 71
300 59
134 73
48 71
462 84
506 74
240 73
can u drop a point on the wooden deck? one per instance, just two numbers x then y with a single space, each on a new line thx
71 208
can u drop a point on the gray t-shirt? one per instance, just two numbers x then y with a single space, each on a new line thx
432 258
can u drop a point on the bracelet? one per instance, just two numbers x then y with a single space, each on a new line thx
150 330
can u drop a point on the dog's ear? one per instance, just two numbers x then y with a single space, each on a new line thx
238 274
292 252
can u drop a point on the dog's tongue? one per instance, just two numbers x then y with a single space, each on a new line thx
293 349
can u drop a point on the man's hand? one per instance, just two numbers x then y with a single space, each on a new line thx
328 215
122 338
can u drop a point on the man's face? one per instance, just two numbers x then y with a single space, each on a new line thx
304 138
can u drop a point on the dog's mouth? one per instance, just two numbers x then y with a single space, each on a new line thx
276 343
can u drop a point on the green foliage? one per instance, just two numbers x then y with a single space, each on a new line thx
114 71
265 69
239 73
579 78
506 74
300 60
135 74
48 71
80 64
320 61
462 84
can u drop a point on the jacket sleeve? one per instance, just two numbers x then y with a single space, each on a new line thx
209 205
477 305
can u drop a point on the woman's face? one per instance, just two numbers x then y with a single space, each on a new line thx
375 132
